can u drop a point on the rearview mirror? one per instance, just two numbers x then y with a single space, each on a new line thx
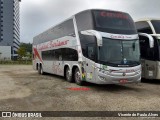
151 40
94 33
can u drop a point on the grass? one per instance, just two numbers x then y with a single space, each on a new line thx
10 62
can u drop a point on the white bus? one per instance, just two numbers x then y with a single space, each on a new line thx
150 51
97 46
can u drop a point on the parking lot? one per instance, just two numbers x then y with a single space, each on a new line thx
23 89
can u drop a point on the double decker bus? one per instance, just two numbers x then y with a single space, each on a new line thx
150 50
97 46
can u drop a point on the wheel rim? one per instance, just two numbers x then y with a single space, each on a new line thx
77 76
41 71
67 74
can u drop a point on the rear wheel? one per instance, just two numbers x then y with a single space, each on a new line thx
40 70
68 77
77 77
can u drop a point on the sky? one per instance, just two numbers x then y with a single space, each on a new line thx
36 16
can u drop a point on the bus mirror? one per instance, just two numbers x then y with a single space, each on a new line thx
94 33
151 40
156 35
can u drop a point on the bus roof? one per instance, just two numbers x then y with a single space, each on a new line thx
98 9
46 31
147 19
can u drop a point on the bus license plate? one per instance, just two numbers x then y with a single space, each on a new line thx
123 81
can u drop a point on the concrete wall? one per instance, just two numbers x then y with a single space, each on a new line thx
5 52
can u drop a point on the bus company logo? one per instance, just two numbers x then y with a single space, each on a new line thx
120 37
6 114
117 36
124 74
52 44
128 37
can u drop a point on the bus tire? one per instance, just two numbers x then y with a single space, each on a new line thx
68 77
40 70
77 77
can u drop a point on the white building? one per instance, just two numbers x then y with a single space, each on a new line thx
5 52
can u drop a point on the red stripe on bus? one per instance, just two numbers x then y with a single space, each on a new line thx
37 54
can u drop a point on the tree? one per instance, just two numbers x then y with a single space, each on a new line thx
21 52
27 46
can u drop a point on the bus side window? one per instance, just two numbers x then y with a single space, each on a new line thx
91 51
88 41
69 54
58 55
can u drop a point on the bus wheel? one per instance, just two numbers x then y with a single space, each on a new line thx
40 70
68 77
77 77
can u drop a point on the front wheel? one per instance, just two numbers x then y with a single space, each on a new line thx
77 77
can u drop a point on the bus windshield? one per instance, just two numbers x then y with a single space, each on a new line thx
114 22
156 24
119 52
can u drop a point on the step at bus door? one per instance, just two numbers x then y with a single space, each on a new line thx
150 69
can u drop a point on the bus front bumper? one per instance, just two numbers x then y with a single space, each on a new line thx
109 79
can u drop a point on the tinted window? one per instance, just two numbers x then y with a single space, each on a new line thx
64 29
114 22
57 55
64 54
147 52
48 55
156 24
143 27
69 54
84 21
87 42
91 51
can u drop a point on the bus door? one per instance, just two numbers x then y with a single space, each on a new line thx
148 61
57 63
90 62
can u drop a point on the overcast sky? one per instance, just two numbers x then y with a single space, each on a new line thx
37 16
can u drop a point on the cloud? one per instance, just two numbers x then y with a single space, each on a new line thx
38 15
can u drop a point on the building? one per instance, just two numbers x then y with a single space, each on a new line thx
9 26
5 53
